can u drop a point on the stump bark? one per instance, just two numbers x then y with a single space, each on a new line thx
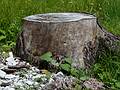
76 35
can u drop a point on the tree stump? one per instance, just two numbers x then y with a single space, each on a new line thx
76 35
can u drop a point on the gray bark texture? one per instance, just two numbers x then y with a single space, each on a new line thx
76 35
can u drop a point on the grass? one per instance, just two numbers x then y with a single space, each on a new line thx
107 67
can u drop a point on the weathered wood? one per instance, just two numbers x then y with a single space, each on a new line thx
72 34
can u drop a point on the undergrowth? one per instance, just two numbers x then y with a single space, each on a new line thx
106 69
